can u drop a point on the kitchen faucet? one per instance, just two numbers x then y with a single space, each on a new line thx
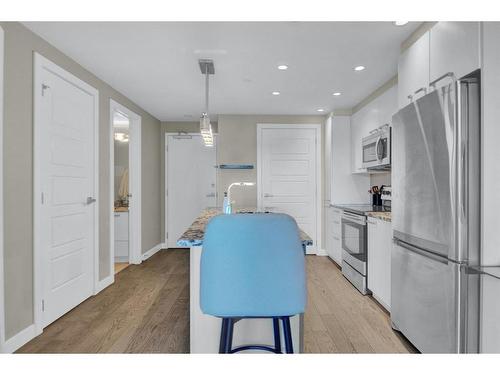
228 206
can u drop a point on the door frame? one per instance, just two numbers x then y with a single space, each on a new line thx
2 300
319 169
135 173
40 63
167 134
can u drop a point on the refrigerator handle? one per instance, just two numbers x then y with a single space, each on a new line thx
446 75
421 252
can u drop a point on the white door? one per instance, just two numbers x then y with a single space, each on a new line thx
191 182
288 172
65 117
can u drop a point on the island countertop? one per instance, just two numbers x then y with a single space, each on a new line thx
193 236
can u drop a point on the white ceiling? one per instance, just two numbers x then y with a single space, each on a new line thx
155 64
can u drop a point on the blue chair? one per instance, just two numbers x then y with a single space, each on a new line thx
252 266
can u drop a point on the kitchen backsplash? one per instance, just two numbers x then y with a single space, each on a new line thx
380 179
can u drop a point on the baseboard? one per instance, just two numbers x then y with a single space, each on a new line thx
322 253
104 283
153 251
15 342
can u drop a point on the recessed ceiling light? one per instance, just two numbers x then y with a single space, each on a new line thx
282 67
400 23
337 94
359 68
320 110
276 93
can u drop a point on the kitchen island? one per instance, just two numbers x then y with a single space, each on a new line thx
205 329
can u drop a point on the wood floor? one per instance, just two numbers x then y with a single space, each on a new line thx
120 267
146 310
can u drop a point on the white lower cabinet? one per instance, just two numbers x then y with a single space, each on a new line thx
379 260
333 235
121 237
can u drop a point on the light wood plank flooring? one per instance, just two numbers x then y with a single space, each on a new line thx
146 310
120 267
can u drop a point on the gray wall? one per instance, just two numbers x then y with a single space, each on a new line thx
20 43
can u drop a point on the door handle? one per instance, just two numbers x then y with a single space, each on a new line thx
91 200
416 250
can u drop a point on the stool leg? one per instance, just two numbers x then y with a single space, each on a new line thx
287 331
223 335
229 335
277 336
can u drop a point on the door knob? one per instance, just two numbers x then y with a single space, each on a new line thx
90 200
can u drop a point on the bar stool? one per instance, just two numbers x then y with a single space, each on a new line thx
252 266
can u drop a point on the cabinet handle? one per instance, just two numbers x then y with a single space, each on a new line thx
117 215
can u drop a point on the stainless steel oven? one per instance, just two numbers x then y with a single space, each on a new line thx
377 149
354 249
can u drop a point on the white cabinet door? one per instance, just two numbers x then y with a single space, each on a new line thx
413 70
454 47
121 226
379 260
328 159
362 122
336 236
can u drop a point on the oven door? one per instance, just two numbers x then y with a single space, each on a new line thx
354 241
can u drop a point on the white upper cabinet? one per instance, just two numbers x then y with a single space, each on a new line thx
375 114
454 47
413 70
344 186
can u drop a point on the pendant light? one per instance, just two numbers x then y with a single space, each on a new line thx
207 68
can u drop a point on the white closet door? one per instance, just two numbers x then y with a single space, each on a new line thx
66 117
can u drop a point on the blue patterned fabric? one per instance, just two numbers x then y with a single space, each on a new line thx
252 265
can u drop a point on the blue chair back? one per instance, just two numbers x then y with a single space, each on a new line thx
252 265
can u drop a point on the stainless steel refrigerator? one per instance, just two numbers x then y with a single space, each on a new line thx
436 218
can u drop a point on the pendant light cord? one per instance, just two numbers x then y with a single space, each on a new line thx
206 89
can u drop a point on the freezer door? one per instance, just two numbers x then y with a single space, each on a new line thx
423 172
424 299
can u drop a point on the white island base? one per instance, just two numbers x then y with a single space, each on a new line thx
205 329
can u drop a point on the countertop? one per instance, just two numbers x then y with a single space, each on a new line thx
386 216
121 209
193 236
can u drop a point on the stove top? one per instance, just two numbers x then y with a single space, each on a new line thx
362 209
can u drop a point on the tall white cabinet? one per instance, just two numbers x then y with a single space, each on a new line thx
341 185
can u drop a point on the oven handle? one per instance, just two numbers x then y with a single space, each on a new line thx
358 219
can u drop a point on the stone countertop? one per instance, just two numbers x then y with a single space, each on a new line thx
121 209
386 216
193 236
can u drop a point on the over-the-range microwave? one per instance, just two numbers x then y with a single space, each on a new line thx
376 149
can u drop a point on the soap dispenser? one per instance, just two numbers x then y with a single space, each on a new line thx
226 205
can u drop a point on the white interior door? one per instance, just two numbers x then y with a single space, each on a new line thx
191 182
65 117
288 176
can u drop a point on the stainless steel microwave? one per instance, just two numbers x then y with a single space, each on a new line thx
377 149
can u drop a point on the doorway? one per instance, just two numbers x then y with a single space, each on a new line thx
125 187
191 182
289 174
65 191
